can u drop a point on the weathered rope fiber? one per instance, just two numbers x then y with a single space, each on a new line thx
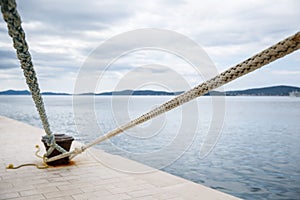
16 32
267 56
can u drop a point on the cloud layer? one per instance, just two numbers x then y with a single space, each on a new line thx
62 34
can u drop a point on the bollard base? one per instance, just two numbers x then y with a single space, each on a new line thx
65 142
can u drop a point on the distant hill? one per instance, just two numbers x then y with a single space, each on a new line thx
26 92
139 92
15 92
54 93
267 91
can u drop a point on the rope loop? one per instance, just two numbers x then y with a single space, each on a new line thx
50 139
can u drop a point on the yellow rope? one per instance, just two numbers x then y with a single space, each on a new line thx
44 166
11 166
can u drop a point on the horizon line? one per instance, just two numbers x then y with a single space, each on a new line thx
153 90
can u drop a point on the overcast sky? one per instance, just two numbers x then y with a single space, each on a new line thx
62 34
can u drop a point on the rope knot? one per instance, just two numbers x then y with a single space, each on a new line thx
50 139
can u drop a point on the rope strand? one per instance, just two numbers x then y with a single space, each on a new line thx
16 32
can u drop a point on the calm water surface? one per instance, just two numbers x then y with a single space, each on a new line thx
256 157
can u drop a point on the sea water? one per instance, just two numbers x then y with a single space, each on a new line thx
256 155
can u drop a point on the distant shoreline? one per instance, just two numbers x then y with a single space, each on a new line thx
266 91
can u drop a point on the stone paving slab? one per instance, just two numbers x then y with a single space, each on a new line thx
92 175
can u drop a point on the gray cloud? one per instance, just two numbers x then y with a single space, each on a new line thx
73 15
2 29
62 33
7 54
4 65
8 60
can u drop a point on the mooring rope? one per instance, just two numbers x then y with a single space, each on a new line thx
16 32
11 16
267 56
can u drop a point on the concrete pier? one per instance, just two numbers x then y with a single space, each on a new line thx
92 175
